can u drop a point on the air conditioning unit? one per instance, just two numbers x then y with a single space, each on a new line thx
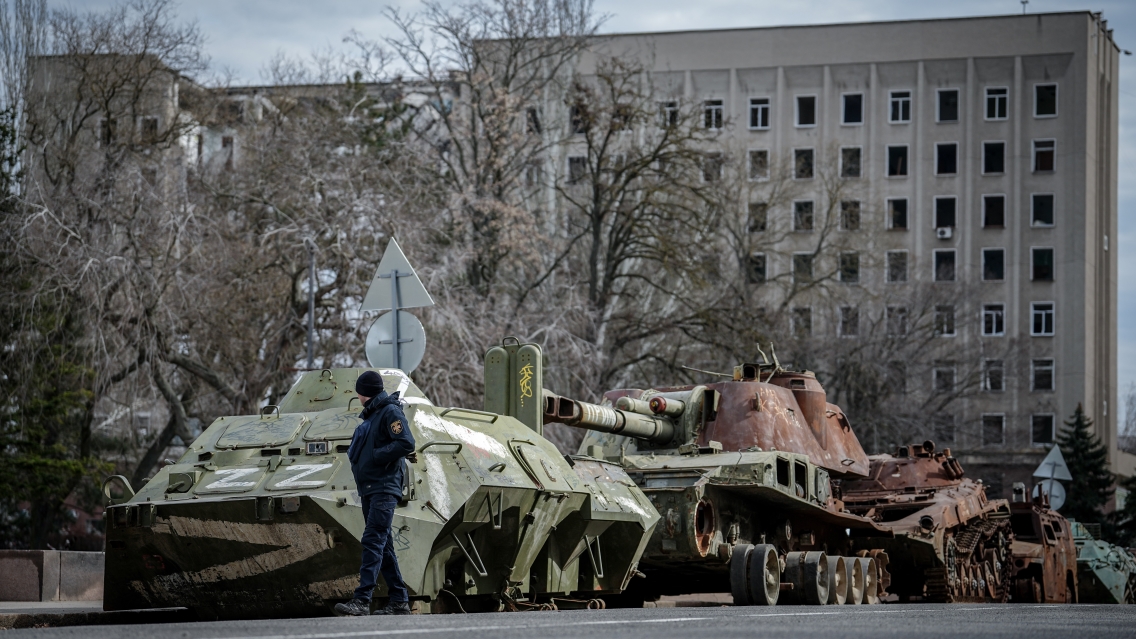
943 232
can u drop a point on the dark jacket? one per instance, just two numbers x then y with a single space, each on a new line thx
377 450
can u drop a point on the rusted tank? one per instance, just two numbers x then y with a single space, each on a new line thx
950 542
742 472
1044 553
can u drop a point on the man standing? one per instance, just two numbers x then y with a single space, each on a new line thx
376 452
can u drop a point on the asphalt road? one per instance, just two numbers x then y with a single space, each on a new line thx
914 620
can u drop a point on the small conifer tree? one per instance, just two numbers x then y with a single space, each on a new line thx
1126 517
1087 460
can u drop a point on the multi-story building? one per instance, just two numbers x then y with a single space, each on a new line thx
987 150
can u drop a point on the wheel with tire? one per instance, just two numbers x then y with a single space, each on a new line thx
739 574
764 575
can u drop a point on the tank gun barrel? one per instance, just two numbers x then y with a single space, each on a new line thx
562 410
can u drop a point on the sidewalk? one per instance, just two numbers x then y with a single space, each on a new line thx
50 614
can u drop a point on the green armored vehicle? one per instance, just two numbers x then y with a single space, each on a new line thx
260 517
1106 573
742 472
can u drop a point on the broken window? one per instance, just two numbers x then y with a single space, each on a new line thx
803 216
993 157
993 376
896 321
850 267
993 430
897 266
759 164
1041 372
997 103
579 119
758 216
577 169
993 320
107 128
948 108
227 151
900 110
622 117
993 210
801 322
759 113
853 111
755 268
803 162
945 212
895 376
897 161
946 158
1041 323
1042 429
945 320
532 121
993 265
668 114
943 379
897 213
1041 206
712 167
712 114
1042 264
1044 100
850 162
1044 155
149 130
802 268
849 321
806 110
945 265
850 215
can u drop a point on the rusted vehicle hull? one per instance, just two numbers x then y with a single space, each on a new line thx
1044 555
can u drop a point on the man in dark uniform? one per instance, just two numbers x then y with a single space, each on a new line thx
376 452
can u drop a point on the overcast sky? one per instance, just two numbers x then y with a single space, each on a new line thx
243 34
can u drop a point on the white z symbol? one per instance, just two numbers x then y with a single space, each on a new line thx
229 474
308 469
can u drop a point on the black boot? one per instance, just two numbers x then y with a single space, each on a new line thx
394 608
353 608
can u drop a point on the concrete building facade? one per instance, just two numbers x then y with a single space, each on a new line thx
987 150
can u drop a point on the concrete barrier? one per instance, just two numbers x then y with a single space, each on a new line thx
51 575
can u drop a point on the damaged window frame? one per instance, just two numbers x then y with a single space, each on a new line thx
896 266
798 121
761 173
939 106
848 100
987 222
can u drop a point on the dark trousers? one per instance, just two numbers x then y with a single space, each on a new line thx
378 551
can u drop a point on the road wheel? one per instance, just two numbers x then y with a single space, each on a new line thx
764 575
739 574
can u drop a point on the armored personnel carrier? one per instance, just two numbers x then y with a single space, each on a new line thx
260 517
1044 555
950 543
742 473
1106 573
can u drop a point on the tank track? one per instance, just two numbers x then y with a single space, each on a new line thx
974 556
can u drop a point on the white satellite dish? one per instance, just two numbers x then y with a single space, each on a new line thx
1054 489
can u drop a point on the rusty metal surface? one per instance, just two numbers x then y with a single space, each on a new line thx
1044 555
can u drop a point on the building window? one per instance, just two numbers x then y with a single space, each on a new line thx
1042 263
850 162
533 173
806 110
993 376
227 151
948 110
943 379
853 112
803 216
993 430
803 163
897 213
945 320
1044 100
755 268
532 121
107 128
578 119
577 169
850 267
900 110
945 265
896 321
803 268
1041 374
149 129
850 215
712 167
943 428
946 158
997 103
759 164
759 113
1041 323
945 212
1042 431
758 216
994 211
1044 152
712 114
993 320
1041 209
895 377
897 161
801 322
849 321
668 115
993 157
897 266
993 265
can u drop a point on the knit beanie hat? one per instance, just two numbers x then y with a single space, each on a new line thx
369 384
